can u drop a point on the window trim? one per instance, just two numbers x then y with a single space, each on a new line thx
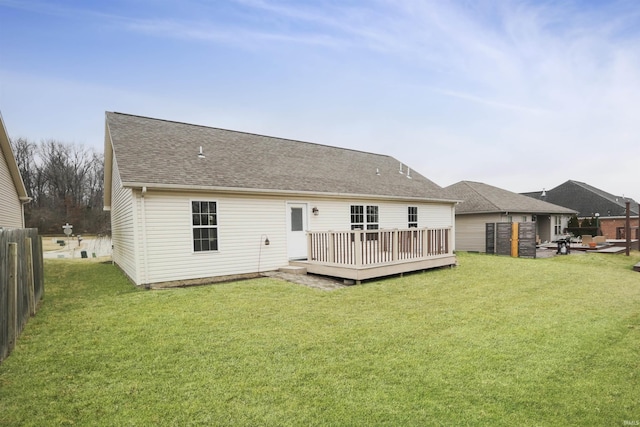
216 226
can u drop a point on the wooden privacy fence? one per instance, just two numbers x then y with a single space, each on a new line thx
514 239
21 283
368 247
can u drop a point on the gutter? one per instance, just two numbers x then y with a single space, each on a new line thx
236 190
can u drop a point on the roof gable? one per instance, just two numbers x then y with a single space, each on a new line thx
483 198
165 154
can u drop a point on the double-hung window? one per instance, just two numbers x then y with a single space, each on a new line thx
412 216
372 218
204 222
364 217
357 217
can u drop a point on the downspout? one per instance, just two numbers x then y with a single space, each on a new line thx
145 264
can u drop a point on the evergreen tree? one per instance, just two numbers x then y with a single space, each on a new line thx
573 222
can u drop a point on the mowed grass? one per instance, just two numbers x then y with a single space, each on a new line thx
495 341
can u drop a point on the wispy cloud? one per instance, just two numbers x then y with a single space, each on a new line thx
555 75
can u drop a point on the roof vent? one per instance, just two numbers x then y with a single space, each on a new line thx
401 168
377 171
408 172
544 193
201 154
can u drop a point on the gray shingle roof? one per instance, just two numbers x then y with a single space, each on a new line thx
164 153
7 155
586 199
483 198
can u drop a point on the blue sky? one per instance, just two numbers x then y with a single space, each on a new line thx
522 95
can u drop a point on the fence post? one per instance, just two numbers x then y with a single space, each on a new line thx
627 228
447 239
514 239
30 278
12 296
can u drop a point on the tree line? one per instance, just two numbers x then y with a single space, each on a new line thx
65 182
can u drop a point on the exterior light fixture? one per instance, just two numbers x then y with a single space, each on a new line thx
266 241
315 211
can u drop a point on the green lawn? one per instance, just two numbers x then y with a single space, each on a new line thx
495 341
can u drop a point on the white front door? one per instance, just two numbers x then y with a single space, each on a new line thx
297 230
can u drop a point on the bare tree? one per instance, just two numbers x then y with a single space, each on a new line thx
66 184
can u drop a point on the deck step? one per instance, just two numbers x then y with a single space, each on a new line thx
292 269
636 267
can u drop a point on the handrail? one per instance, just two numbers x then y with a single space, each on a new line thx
359 248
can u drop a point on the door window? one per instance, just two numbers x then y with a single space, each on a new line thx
296 219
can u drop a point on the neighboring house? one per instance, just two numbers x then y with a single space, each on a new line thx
483 203
591 202
587 200
613 227
193 203
13 194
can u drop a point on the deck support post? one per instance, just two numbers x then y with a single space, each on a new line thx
358 247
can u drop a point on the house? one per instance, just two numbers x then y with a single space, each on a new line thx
483 203
196 204
591 202
587 200
13 194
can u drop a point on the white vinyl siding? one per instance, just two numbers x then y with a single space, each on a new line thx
334 214
123 226
243 224
169 237
10 206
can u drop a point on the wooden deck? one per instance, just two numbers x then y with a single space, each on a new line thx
367 254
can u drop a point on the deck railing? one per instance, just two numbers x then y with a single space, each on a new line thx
368 247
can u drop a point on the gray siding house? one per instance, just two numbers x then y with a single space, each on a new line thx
483 203
195 204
